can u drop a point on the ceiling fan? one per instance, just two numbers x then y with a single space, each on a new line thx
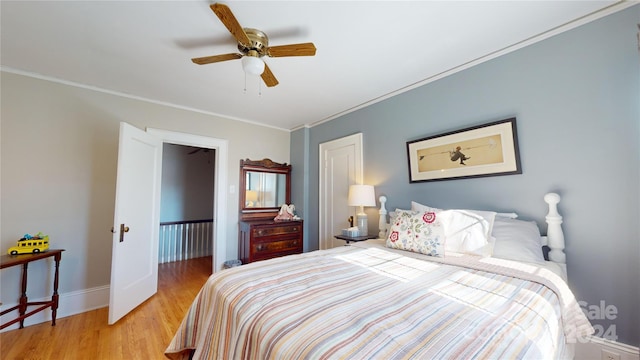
253 44
198 150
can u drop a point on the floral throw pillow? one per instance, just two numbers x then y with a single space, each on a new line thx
417 231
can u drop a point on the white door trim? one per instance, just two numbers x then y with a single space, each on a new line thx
220 194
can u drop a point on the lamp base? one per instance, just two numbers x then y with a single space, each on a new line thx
363 226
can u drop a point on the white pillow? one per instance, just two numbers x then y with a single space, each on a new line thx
467 231
487 215
510 215
419 207
517 240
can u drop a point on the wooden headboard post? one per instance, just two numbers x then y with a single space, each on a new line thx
555 236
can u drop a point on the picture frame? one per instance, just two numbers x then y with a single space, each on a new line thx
485 150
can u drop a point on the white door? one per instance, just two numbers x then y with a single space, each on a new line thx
134 268
340 166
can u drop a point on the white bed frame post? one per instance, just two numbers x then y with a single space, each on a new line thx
382 222
555 236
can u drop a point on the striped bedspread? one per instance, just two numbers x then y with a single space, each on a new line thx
369 302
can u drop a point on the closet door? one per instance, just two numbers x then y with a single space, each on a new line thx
340 166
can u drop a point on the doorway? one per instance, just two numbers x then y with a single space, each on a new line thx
219 149
134 265
186 195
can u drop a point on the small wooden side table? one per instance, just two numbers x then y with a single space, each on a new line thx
349 239
24 259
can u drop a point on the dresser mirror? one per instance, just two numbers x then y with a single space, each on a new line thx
264 187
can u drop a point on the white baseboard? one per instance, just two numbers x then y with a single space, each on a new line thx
68 304
592 350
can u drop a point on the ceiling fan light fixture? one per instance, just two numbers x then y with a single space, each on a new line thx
252 65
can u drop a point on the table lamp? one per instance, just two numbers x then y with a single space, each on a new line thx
361 195
251 197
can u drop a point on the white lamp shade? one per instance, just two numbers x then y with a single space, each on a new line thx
251 195
252 65
361 195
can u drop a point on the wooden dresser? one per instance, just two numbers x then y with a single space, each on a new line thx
266 239
265 186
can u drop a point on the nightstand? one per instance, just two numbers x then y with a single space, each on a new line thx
349 239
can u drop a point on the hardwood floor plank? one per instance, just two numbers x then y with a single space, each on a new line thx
142 334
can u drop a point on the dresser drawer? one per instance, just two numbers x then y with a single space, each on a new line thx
261 240
276 246
278 230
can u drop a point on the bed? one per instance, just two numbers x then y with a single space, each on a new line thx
377 300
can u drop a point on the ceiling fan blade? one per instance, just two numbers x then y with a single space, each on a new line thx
268 78
229 20
215 58
304 49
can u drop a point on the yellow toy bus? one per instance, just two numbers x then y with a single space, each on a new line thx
28 246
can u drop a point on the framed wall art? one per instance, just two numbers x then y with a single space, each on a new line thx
485 150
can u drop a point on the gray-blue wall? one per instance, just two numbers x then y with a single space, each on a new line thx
299 184
576 97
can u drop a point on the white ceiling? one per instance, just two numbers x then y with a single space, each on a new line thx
367 50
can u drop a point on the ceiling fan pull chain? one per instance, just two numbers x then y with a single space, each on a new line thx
259 87
245 84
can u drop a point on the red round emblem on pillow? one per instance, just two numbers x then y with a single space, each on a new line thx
394 236
429 217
